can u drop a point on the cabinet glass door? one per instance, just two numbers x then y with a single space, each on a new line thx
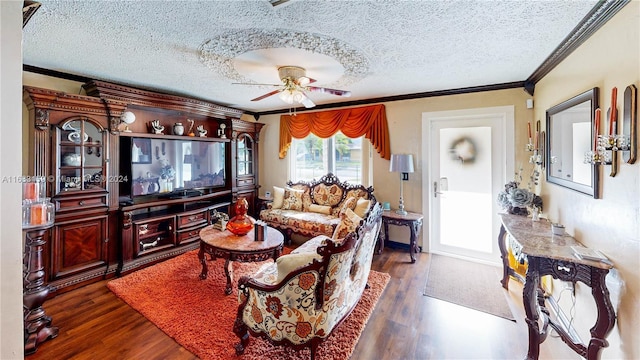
245 155
80 156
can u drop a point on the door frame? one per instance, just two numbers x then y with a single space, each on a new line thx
507 115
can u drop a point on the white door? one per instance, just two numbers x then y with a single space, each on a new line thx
470 154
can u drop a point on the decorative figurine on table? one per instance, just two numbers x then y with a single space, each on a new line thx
156 127
242 223
201 131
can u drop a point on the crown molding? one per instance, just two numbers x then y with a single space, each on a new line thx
598 16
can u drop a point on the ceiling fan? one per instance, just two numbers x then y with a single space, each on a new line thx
295 84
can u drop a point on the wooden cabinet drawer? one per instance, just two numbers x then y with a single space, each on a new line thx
80 203
245 181
154 235
190 235
188 220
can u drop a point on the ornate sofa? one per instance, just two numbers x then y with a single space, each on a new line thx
298 300
314 208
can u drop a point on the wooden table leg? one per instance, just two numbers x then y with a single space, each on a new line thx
505 259
203 261
606 314
529 298
413 247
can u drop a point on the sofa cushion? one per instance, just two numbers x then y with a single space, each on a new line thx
328 195
348 224
349 204
278 197
362 207
288 263
320 209
306 223
292 199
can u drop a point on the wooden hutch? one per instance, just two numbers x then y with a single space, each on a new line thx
104 225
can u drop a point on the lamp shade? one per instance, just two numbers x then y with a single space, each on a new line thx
401 163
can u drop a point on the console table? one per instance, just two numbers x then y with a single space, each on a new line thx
548 254
412 220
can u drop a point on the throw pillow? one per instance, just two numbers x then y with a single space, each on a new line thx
320 209
288 263
278 197
348 224
362 207
292 199
349 204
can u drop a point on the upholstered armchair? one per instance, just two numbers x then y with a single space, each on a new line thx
301 298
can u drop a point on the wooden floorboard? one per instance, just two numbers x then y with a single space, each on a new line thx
95 324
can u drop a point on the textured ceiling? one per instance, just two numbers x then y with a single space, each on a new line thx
372 48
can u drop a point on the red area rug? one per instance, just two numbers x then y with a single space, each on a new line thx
198 315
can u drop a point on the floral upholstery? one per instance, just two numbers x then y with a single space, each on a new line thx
302 307
298 213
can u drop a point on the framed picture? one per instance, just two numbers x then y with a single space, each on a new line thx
141 151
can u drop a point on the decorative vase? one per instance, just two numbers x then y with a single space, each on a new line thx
178 129
242 223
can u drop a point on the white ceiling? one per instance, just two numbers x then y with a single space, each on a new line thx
372 48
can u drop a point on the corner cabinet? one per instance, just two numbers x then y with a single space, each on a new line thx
244 153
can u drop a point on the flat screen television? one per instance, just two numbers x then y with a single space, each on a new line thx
167 166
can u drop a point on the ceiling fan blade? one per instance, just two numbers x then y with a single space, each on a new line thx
344 93
307 102
266 95
256 84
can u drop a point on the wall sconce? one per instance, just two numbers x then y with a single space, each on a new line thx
127 118
620 139
536 144
402 163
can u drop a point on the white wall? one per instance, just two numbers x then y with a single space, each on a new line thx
611 57
11 323
405 132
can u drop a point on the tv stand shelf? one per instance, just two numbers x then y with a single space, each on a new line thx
155 231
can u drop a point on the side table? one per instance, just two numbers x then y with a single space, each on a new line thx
412 220
262 203
37 325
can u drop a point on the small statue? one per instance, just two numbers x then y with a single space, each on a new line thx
221 133
190 132
156 127
201 131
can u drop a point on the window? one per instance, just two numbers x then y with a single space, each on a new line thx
313 157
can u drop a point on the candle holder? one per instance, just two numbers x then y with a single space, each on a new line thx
37 210
536 158
530 146
606 147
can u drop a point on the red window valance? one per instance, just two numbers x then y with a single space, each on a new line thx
370 121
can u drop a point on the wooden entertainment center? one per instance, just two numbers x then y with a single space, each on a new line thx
116 210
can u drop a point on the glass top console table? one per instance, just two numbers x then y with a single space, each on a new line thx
548 254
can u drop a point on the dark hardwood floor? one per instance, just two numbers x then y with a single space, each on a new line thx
95 324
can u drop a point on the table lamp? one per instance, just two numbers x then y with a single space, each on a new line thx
402 163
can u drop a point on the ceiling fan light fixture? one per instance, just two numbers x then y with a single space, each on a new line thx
287 96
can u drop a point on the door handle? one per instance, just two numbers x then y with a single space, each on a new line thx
435 189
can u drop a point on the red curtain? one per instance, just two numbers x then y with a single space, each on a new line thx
370 121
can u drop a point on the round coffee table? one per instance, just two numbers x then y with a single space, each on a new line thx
225 245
